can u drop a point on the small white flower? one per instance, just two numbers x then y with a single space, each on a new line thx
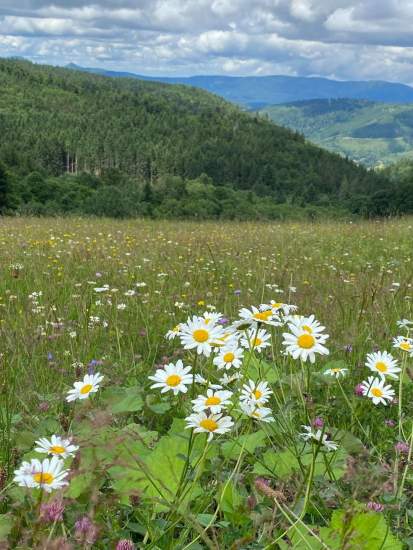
171 334
229 357
82 390
405 323
255 393
173 377
226 379
377 391
255 315
318 436
257 340
336 372
405 344
215 401
253 410
204 382
47 475
56 446
302 344
212 424
199 333
383 363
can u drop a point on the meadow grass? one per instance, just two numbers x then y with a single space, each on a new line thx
139 475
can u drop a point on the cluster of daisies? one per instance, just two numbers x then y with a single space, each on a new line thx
210 335
50 473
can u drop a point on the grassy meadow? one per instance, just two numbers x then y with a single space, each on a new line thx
87 296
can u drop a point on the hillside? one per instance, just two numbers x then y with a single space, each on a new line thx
255 92
370 133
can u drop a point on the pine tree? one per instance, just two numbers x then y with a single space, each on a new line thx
5 190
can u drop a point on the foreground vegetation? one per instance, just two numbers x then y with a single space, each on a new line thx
306 460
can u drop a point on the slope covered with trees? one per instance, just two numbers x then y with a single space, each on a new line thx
73 139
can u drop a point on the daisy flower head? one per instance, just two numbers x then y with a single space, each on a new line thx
256 340
319 436
303 345
199 379
377 391
255 393
199 333
405 344
82 390
405 323
173 333
383 364
309 325
255 315
215 401
253 410
47 475
229 339
228 379
212 317
279 308
229 357
173 377
56 446
210 424
336 372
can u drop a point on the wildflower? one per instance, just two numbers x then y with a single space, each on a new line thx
405 344
85 530
358 390
214 401
405 323
52 511
254 315
402 447
125 544
309 325
198 333
56 446
212 317
174 377
212 424
382 363
82 390
318 422
225 379
255 411
390 423
279 307
204 382
375 506
171 334
336 372
229 357
377 391
47 475
301 344
257 339
318 436
255 393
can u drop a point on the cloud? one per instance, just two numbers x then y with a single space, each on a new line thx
344 39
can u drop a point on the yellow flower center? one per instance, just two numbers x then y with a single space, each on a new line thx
263 315
377 392
277 305
307 329
200 335
208 424
405 346
86 389
214 400
173 380
336 370
257 394
306 341
57 449
256 342
382 367
229 357
176 329
43 477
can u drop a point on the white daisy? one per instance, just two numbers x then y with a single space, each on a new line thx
228 379
198 333
318 436
257 340
279 308
302 344
229 357
211 424
383 363
229 339
171 334
377 391
336 372
405 323
405 344
173 377
254 315
308 324
255 393
82 390
47 475
212 317
256 412
215 401
57 446
204 382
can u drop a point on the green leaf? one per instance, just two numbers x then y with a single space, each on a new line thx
6 525
250 442
125 400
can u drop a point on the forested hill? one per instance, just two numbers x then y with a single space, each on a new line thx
56 121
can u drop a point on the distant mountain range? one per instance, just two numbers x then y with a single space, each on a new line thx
370 133
256 92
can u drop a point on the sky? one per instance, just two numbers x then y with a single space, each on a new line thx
341 39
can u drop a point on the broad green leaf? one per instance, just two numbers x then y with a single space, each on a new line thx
250 442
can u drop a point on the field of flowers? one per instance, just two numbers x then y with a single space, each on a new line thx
172 385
